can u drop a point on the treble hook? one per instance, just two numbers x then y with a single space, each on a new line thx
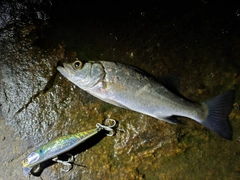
107 128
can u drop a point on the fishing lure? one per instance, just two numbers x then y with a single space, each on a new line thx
60 145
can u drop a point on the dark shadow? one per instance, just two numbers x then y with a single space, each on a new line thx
37 170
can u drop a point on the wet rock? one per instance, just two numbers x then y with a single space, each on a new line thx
25 84
38 104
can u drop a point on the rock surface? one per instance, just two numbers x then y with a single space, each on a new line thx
38 104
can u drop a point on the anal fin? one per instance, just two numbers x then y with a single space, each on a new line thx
171 120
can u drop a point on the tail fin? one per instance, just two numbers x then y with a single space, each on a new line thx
219 109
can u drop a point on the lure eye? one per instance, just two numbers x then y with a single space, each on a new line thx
25 161
77 65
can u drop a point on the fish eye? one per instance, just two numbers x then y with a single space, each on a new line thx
77 65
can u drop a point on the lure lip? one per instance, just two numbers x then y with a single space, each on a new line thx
26 171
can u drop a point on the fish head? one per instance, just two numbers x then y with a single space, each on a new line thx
83 74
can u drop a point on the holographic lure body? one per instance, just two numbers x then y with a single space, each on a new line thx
61 145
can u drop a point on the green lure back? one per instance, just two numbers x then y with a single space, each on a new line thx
61 145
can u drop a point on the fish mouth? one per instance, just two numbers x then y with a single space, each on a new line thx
66 70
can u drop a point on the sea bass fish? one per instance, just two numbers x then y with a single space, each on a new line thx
131 88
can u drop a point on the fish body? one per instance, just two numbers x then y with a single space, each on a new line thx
131 88
55 147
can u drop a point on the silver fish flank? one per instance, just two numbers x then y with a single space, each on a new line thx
131 88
